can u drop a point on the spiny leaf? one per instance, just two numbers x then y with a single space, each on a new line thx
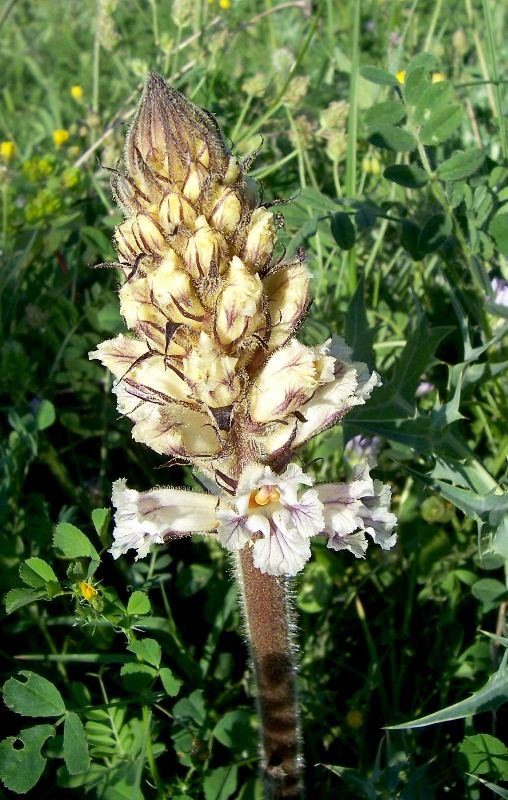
488 698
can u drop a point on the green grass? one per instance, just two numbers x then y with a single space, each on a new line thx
402 270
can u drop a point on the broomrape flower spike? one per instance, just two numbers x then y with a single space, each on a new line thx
212 373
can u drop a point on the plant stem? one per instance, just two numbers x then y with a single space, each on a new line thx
266 604
352 134
96 59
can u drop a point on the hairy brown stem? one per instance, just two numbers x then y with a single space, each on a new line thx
267 612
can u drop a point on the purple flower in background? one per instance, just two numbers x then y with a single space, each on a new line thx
424 388
500 289
363 448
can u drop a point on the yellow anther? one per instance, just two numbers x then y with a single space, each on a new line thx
264 496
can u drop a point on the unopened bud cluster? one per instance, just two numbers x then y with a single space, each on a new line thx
212 373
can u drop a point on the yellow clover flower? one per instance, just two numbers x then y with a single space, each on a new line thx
371 164
401 76
354 719
77 92
60 136
87 591
7 150
437 77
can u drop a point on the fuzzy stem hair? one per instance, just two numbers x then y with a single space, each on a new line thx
267 609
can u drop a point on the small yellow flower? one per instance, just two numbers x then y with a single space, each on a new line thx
437 77
225 4
401 76
87 590
354 719
7 150
77 92
60 136
371 164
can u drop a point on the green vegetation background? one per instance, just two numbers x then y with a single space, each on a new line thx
385 122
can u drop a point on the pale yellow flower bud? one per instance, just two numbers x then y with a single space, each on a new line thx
148 235
141 235
288 300
233 171
119 354
168 134
205 250
154 378
125 242
173 291
126 194
212 375
226 212
176 210
177 430
140 314
239 307
194 183
260 241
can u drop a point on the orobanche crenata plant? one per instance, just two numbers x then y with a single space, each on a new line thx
212 374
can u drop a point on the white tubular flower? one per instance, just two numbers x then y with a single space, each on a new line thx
147 518
269 512
351 386
362 505
282 520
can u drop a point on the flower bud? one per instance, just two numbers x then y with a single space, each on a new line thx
205 250
233 171
288 300
212 375
125 243
119 354
194 183
260 241
226 212
127 195
173 290
168 134
152 377
239 307
176 430
139 312
148 235
175 209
